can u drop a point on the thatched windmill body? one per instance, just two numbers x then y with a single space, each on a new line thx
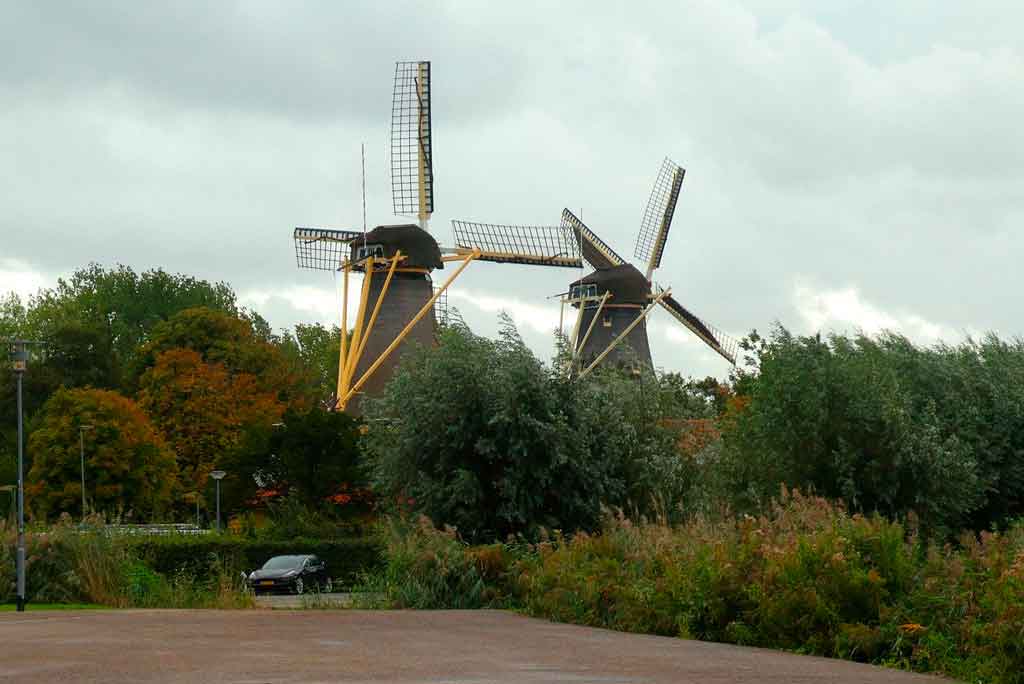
614 301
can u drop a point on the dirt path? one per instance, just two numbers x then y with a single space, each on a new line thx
474 647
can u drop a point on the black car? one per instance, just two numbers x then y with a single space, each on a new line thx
295 574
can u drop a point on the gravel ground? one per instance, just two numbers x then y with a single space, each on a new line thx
463 647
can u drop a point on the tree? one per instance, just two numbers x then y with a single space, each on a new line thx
225 339
129 467
316 349
117 308
479 434
313 455
203 410
876 422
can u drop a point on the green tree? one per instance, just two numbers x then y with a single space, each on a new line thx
316 349
479 434
129 467
862 419
312 455
119 307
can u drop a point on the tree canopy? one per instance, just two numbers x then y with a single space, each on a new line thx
129 467
479 434
885 425
203 410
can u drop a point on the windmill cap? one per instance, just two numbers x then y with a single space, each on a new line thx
418 247
625 282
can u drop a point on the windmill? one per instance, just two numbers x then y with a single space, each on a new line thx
398 295
614 301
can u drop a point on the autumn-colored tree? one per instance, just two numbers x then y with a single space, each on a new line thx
128 466
202 409
233 342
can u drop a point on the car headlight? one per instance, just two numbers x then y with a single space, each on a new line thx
291 573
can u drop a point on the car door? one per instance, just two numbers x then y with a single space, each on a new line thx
318 570
309 573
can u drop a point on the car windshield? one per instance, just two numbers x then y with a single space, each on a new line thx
283 562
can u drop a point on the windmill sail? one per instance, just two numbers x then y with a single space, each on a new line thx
714 338
595 251
322 249
512 244
412 157
657 219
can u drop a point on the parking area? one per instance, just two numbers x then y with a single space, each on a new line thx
310 600
465 647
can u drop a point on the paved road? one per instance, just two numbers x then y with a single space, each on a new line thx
464 647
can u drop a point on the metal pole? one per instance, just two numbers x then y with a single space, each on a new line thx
218 506
81 453
21 508
197 509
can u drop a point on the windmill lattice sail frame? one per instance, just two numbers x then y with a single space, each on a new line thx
322 249
657 218
517 244
412 155
595 251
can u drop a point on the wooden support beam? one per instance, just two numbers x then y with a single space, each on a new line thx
357 332
406 330
590 328
343 355
376 308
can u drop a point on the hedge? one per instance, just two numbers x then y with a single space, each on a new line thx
346 558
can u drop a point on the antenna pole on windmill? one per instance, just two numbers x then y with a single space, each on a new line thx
362 152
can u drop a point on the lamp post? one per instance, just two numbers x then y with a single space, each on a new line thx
81 453
19 360
218 475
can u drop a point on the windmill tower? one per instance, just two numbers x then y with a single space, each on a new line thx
614 301
398 294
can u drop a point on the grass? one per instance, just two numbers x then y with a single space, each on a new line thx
11 607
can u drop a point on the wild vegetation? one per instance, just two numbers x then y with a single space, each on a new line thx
805 575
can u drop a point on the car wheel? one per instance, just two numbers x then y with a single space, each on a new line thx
329 586
299 586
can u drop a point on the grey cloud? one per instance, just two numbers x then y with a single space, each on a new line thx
873 148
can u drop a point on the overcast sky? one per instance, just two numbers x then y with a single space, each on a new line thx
850 164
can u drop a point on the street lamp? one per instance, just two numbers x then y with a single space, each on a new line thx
81 453
19 361
218 475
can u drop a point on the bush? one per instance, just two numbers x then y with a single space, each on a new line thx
805 576
427 568
201 555
68 565
883 425
479 435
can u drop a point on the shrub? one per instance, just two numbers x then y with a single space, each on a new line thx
428 568
805 576
202 555
883 425
479 435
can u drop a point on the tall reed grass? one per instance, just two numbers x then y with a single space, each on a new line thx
805 576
